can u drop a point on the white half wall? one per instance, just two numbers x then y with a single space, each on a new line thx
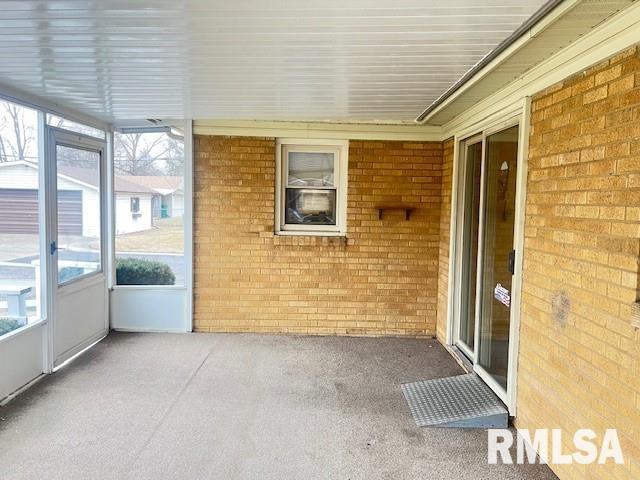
149 309
21 358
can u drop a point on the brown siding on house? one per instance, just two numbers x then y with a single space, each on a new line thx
579 364
381 280
445 228
19 211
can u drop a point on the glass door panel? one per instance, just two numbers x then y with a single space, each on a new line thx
79 212
471 212
498 256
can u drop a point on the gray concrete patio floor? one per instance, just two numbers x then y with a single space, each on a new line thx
235 406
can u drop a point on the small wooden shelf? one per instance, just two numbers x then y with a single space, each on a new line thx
407 209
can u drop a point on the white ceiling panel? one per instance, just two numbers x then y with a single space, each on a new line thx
314 60
559 34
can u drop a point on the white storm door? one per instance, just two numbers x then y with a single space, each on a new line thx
76 175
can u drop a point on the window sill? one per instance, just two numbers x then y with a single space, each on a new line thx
148 287
310 233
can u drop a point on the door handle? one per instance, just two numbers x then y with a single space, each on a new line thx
512 262
54 248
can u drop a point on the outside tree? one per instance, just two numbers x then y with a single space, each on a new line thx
134 154
148 154
18 137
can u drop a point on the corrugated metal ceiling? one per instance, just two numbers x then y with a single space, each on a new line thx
338 60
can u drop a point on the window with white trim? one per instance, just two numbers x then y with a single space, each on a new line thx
312 187
135 205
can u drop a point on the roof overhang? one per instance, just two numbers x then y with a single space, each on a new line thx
563 23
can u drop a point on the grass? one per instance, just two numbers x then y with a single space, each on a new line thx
167 236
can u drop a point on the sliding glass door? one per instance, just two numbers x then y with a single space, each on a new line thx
498 255
486 255
472 170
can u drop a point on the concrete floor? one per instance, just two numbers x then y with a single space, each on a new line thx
160 406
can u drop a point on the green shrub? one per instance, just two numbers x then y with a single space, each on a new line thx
134 271
67 273
7 325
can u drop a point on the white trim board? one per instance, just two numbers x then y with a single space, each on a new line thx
187 218
319 130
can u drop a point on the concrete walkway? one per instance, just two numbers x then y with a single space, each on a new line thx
207 406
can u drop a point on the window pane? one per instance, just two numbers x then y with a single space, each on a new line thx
79 215
310 207
311 169
149 200
60 122
19 225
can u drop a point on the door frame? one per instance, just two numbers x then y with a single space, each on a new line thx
517 114
460 240
153 308
55 136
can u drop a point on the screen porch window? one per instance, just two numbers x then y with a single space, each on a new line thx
312 189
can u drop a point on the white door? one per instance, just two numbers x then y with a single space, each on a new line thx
76 175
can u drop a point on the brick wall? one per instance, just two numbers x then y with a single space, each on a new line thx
381 280
445 229
579 364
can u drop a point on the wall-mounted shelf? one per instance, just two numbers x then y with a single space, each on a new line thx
407 209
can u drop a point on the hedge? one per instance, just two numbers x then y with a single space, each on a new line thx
8 325
69 273
135 271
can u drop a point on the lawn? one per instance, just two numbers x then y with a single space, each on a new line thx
166 236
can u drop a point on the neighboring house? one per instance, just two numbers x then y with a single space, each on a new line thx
169 201
78 201
133 205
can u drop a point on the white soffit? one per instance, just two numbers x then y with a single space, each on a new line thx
541 44
316 60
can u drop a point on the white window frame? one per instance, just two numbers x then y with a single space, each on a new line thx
187 219
340 149
137 203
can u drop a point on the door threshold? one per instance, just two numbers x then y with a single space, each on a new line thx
459 357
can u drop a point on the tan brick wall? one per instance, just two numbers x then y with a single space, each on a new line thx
445 229
581 243
382 280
